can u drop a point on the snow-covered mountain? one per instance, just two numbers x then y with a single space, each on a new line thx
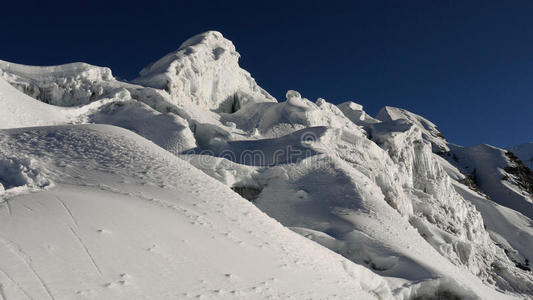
192 181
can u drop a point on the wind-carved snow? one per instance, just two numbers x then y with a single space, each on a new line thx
487 166
64 85
356 114
371 189
428 130
204 71
445 219
76 85
278 119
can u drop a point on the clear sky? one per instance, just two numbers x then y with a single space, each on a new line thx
465 65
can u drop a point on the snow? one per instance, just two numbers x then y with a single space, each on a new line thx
297 112
498 188
509 226
64 85
169 131
138 220
79 85
198 183
17 175
204 71
429 130
356 114
488 164
19 110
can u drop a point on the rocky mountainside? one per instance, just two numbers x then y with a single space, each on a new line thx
393 210
525 153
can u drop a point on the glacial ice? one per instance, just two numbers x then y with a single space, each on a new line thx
204 71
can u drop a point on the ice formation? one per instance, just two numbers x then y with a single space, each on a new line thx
204 71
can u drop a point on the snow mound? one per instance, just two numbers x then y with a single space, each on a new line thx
169 131
436 288
204 71
296 113
356 114
18 176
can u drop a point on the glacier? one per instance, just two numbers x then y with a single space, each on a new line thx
193 181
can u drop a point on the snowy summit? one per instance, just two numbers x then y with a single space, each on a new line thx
192 181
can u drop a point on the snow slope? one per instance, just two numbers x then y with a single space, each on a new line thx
303 184
490 167
389 194
120 218
19 110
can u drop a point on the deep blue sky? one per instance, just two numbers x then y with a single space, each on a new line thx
465 65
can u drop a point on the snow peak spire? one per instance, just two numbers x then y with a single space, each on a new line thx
204 71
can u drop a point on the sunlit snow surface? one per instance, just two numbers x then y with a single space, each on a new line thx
338 204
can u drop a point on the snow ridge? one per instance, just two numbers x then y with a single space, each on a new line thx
64 85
